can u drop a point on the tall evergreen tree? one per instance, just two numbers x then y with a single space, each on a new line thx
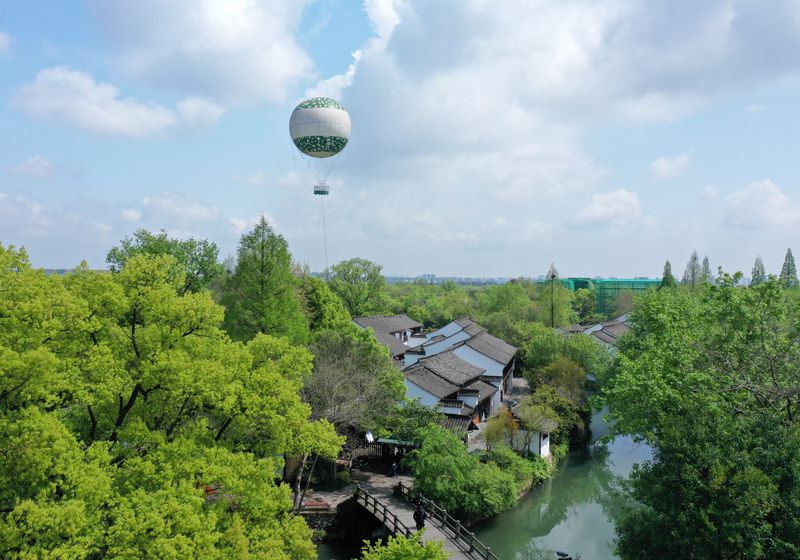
693 273
552 278
789 270
759 275
705 273
262 294
667 279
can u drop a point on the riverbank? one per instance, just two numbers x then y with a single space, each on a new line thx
574 510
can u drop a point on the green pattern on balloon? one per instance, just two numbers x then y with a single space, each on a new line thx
319 103
320 144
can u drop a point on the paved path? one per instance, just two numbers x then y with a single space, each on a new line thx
381 487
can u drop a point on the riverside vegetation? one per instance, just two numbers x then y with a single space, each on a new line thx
178 406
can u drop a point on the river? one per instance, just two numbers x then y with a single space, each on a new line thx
573 512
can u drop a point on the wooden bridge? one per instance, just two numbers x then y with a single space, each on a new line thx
396 513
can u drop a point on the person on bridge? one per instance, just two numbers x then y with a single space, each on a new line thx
419 516
394 469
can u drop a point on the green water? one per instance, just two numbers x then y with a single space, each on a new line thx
573 512
336 551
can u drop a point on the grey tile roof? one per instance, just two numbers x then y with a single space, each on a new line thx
484 389
424 378
605 337
394 345
464 322
491 346
388 323
452 368
457 423
616 330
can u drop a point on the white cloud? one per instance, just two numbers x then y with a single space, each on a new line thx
667 167
131 214
37 167
74 97
710 192
761 204
178 210
5 42
198 112
240 225
232 51
254 179
617 208
52 233
755 108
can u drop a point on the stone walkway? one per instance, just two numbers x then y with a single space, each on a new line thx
381 487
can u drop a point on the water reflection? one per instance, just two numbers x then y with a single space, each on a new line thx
574 511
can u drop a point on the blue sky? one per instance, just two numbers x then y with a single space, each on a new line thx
488 139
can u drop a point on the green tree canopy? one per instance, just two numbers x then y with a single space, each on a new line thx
197 259
134 427
554 301
323 308
360 284
789 270
667 279
566 376
584 303
705 271
405 548
693 274
758 274
261 293
709 379
457 480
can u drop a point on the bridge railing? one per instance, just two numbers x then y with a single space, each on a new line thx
381 512
448 523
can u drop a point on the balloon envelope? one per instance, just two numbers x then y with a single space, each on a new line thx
319 127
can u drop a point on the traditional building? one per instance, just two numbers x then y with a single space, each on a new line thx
470 342
457 387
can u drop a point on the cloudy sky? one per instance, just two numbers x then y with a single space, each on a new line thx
489 138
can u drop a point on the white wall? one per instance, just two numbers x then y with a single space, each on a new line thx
518 443
414 391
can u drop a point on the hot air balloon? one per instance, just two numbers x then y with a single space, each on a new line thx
320 128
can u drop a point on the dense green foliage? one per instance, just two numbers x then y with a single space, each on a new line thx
408 417
789 271
758 274
542 345
196 259
584 302
323 308
710 380
261 293
360 284
405 548
457 481
667 279
465 484
133 427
